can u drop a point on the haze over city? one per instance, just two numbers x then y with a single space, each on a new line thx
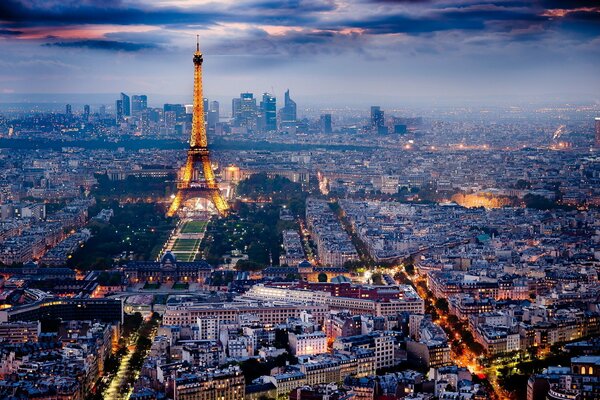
355 51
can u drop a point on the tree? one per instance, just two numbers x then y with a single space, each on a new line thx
442 305
410 269
322 277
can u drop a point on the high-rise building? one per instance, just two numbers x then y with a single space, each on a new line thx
213 114
178 110
268 109
214 106
126 105
138 103
597 131
326 123
377 120
244 110
287 115
119 110
236 107
86 112
68 110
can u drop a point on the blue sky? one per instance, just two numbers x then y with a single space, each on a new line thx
328 49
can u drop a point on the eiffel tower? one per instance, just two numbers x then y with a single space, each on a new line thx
191 185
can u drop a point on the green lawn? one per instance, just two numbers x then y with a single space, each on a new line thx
194 227
186 244
184 256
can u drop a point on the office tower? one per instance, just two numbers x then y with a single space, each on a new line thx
126 105
154 114
86 112
119 110
598 132
326 123
177 109
377 120
68 110
214 106
213 114
236 108
268 109
244 110
287 114
102 111
138 103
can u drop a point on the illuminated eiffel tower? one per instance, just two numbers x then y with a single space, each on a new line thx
191 185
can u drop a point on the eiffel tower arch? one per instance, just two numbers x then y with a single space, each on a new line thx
198 178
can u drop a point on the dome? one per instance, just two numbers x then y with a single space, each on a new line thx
305 264
168 258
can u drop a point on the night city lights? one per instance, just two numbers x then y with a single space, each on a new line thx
299 200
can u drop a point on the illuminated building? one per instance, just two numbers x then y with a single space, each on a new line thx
211 384
138 103
190 185
168 269
308 344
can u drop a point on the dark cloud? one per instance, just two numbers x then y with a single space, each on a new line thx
110 45
39 13
20 13
314 32
302 45
10 32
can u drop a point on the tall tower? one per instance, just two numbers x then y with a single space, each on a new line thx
191 184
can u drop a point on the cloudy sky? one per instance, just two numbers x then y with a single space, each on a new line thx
321 49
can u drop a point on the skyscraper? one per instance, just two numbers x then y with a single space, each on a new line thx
377 120
244 110
287 115
236 109
205 106
126 105
214 106
213 114
598 132
86 112
326 123
268 109
68 110
138 103
119 110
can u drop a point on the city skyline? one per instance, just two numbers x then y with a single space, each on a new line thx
396 50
